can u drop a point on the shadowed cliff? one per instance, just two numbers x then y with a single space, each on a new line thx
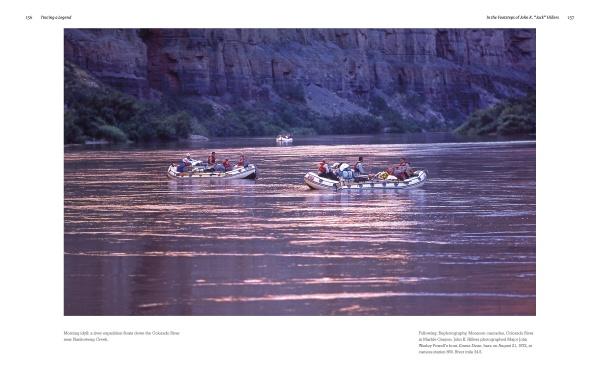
262 81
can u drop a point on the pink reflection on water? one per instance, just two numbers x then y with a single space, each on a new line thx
360 295
353 255
323 281
135 239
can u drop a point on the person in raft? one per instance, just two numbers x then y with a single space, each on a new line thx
211 162
180 167
223 167
227 165
212 159
243 162
185 163
325 171
358 167
360 173
403 170
188 160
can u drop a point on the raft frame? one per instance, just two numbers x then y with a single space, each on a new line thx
315 182
248 172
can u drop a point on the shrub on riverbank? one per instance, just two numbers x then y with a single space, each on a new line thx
514 116
111 134
394 122
270 119
95 111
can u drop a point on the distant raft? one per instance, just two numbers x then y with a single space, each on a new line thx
313 180
238 172
284 139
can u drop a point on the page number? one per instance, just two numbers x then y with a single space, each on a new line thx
28 18
571 18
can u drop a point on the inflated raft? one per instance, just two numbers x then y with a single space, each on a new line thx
314 181
238 172
284 139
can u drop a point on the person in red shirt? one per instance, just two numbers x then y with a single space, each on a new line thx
242 162
227 165
212 159
403 170
325 170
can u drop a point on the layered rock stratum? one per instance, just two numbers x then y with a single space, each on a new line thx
439 75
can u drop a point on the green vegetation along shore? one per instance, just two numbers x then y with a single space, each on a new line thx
510 117
95 111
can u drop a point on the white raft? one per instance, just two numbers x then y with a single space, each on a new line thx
319 183
237 172
282 139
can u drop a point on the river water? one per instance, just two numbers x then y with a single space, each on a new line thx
138 243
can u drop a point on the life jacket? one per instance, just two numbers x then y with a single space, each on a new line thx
401 168
242 161
227 164
322 168
347 174
211 159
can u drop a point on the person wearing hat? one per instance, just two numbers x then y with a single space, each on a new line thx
187 161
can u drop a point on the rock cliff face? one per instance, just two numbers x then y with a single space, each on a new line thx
425 74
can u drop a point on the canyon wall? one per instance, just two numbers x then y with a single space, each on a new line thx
437 75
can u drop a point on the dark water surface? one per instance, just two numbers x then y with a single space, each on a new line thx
139 243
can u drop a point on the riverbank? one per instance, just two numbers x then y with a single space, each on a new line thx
509 117
332 140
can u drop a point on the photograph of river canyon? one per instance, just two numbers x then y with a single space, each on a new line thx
457 103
